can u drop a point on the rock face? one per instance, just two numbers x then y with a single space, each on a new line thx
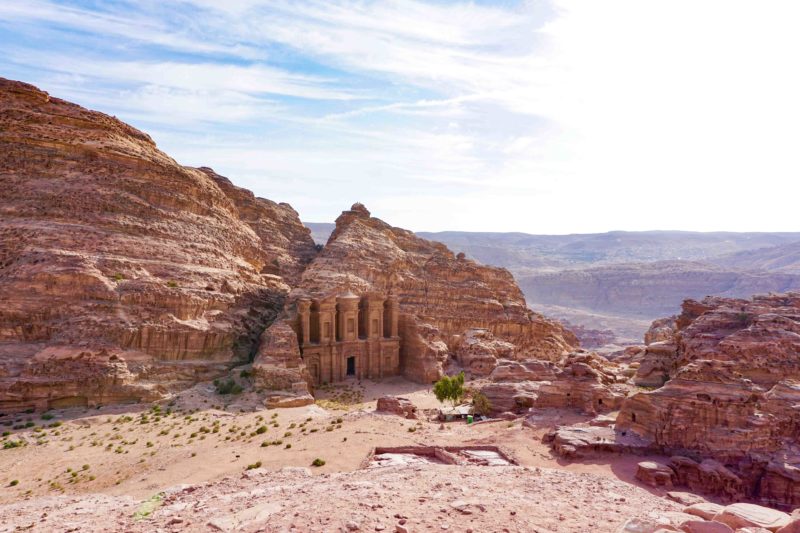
732 395
582 380
443 298
123 273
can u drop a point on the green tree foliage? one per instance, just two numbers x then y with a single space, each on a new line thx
481 403
450 388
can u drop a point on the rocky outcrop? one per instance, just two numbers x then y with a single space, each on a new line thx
731 395
278 365
655 474
397 406
478 352
443 297
583 380
122 273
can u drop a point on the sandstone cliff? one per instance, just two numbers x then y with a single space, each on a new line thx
123 273
443 297
732 392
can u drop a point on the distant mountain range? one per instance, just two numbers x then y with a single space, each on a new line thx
620 281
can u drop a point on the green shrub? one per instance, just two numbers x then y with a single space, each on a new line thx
318 462
255 465
14 483
172 284
450 389
481 403
12 444
118 276
48 416
229 387
261 430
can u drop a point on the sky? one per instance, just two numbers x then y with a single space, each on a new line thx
545 117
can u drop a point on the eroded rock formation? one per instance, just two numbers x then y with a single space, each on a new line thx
123 273
582 380
732 392
450 308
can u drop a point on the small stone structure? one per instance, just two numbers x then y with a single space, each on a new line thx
349 336
449 455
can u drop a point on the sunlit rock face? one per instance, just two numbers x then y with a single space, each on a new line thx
732 391
122 273
443 297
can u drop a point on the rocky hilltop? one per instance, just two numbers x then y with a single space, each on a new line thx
123 273
732 393
126 275
720 393
445 300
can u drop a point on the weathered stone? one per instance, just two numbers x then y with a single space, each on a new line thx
733 384
655 474
685 498
396 405
740 515
124 275
705 510
793 526
443 298
701 526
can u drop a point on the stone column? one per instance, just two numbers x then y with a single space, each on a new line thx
373 316
394 315
327 315
348 316
304 310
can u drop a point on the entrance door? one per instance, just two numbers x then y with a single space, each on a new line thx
351 366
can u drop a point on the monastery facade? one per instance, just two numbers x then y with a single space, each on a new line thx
349 336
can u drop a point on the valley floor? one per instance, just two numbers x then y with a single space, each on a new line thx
120 458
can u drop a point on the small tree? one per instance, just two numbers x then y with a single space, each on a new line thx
450 388
481 403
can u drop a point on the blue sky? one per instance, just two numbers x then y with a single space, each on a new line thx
539 116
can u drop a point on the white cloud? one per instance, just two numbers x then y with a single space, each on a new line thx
539 116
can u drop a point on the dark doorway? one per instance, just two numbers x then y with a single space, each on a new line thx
351 366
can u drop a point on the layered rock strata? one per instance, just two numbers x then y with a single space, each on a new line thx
450 309
583 380
729 407
122 273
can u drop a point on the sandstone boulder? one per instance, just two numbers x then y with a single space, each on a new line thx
705 510
702 526
742 515
397 406
793 526
655 474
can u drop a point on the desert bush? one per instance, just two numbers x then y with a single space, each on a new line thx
450 389
481 403
318 462
228 387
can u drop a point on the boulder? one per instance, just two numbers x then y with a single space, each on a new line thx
275 401
702 526
397 406
793 526
655 474
742 515
685 498
705 510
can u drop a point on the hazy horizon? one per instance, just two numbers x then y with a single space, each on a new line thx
543 117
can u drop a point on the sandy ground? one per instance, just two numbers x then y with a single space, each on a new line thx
141 450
